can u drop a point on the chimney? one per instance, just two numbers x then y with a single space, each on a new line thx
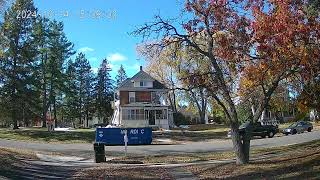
140 68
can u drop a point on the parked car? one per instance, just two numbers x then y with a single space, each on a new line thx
258 130
184 126
298 127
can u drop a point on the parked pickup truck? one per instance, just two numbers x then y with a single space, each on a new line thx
258 130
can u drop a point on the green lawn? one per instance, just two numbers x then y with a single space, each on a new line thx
195 133
42 135
194 136
88 135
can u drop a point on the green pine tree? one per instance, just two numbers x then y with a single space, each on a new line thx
18 61
104 92
41 40
84 84
121 76
59 50
70 99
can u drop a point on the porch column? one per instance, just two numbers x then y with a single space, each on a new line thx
155 117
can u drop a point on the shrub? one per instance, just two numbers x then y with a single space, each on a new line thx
180 119
218 120
301 116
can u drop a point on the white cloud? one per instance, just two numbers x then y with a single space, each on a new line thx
85 49
116 57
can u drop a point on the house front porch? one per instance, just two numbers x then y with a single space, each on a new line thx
145 116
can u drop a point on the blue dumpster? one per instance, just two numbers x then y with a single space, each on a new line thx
114 136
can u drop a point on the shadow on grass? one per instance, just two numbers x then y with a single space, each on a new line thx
284 149
57 136
292 166
128 173
191 135
15 165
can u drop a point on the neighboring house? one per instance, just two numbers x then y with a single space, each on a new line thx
282 114
140 101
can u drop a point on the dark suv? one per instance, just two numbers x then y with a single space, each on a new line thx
258 130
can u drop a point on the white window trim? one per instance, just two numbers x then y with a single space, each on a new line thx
132 95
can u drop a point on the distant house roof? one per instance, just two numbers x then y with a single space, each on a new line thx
126 83
141 75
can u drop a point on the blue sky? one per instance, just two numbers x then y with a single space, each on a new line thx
107 36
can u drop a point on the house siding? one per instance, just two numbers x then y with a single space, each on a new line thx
145 123
135 123
140 96
143 96
124 97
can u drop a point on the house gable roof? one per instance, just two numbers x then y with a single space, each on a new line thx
141 75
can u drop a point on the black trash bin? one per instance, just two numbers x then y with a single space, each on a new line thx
99 152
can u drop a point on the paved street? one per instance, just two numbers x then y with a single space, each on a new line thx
86 150
64 167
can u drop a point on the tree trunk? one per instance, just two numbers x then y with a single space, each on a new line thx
174 102
44 98
87 118
23 115
253 111
241 147
203 106
80 104
262 115
104 120
55 112
13 95
202 114
15 121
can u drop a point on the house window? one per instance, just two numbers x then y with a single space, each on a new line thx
125 114
140 114
161 114
142 84
165 114
132 97
155 97
133 114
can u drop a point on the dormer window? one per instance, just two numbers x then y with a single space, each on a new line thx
142 83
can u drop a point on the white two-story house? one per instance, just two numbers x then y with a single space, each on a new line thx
140 101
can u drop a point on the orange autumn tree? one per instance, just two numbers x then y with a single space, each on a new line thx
249 45
286 44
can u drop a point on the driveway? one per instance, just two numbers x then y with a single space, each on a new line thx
86 150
